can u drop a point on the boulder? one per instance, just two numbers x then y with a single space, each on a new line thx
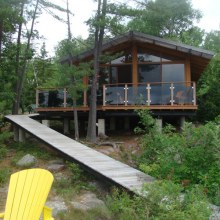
57 204
27 161
88 201
56 167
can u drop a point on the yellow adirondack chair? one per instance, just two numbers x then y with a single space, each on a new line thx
27 194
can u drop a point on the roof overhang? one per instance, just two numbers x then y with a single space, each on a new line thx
199 58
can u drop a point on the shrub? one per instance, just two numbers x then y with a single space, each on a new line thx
191 157
4 175
163 201
4 136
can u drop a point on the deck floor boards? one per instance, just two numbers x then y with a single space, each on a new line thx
118 172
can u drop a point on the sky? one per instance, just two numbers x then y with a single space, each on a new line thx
55 31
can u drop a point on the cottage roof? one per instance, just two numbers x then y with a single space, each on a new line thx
199 58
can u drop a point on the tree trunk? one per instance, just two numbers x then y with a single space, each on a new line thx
20 71
1 37
75 113
99 34
76 124
16 102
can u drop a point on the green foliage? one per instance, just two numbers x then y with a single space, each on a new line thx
4 175
91 214
32 148
3 151
77 181
209 91
146 122
188 158
4 136
208 86
77 172
163 200
165 18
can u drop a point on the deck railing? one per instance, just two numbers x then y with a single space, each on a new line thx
181 93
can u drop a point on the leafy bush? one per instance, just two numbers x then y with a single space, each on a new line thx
4 136
189 158
163 201
3 151
30 147
4 175
147 122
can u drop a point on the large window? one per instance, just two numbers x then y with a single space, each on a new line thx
121 74
152 67
173 72
161 73
149 73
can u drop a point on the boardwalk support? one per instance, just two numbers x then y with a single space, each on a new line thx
159 124
101 126
66 126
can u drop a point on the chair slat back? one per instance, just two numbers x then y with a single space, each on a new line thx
27 194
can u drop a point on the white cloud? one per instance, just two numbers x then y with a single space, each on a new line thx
55 31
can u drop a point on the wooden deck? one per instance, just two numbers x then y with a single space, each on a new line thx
98 163
119 108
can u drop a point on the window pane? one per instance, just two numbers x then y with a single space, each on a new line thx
145 57
114 74
149 73
173 72
167 58
123 59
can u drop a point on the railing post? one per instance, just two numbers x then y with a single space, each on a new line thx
85 98
194 93
37 98
171 94
148 94
126 94
64 97
104 88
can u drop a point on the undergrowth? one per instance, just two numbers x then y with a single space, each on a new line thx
189 158
163 200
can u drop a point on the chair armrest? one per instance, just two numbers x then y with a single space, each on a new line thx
2 215
47 213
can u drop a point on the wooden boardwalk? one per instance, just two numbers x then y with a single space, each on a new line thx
98 163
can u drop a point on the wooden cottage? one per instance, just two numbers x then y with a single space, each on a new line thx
146 72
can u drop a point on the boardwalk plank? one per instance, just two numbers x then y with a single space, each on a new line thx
116 171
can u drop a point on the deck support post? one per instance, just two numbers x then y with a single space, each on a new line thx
66 126
16 133
182 122
46 123
101 126
21 135
112 124
127 123
159 124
